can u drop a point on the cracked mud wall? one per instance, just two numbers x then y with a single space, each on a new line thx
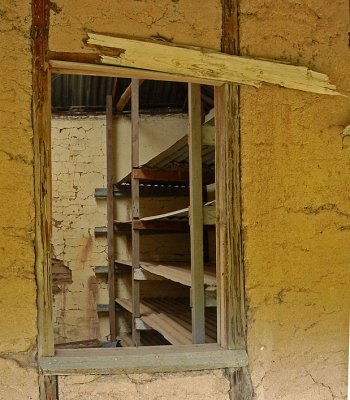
296 204
18 379
78 167
210 385
180 21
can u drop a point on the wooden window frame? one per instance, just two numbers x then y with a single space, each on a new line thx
229 352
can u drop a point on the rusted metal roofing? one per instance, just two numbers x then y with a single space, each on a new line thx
87 94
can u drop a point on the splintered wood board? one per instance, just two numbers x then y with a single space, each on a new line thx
205 63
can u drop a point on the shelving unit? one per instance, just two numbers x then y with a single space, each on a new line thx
184 169
172 318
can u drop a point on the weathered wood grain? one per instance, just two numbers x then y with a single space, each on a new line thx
69 65
205 63
42 187
125 97
229 231
135 207
110 216
142 360
196 212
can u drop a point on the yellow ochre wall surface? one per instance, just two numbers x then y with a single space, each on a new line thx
17 280
295 168
296 203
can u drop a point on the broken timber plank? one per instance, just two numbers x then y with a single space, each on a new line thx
205 63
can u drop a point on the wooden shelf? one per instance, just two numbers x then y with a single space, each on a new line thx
118 269
176 272
171 317
173 221
155 225
171 165
209 215
164 189
104 308
180 321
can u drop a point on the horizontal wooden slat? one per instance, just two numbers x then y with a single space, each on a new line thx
174 332
82 68
172 318
158 168
162 226
142 275
147 227
208 211
103 269
104 308
148 190
179 273
142 360
153 175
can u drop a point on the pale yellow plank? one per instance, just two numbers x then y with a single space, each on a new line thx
204 63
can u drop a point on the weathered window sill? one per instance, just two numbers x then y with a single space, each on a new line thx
142 360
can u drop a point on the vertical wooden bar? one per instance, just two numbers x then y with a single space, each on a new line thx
220 177
229 256
224 211
229 219
41 119
110 216
135 200
228 193
196 212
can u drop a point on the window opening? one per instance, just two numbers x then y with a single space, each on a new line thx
133 165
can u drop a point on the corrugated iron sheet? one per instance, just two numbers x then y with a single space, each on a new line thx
72 93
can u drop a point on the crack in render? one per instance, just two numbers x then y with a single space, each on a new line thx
334 397
315 210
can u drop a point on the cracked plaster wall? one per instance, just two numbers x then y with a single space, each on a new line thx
210 385
182 21
18 380
78 167
296 204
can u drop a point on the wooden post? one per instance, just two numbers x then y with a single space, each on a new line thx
110 216
41 118
125 97
196 212
230 278
135 200
229 249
